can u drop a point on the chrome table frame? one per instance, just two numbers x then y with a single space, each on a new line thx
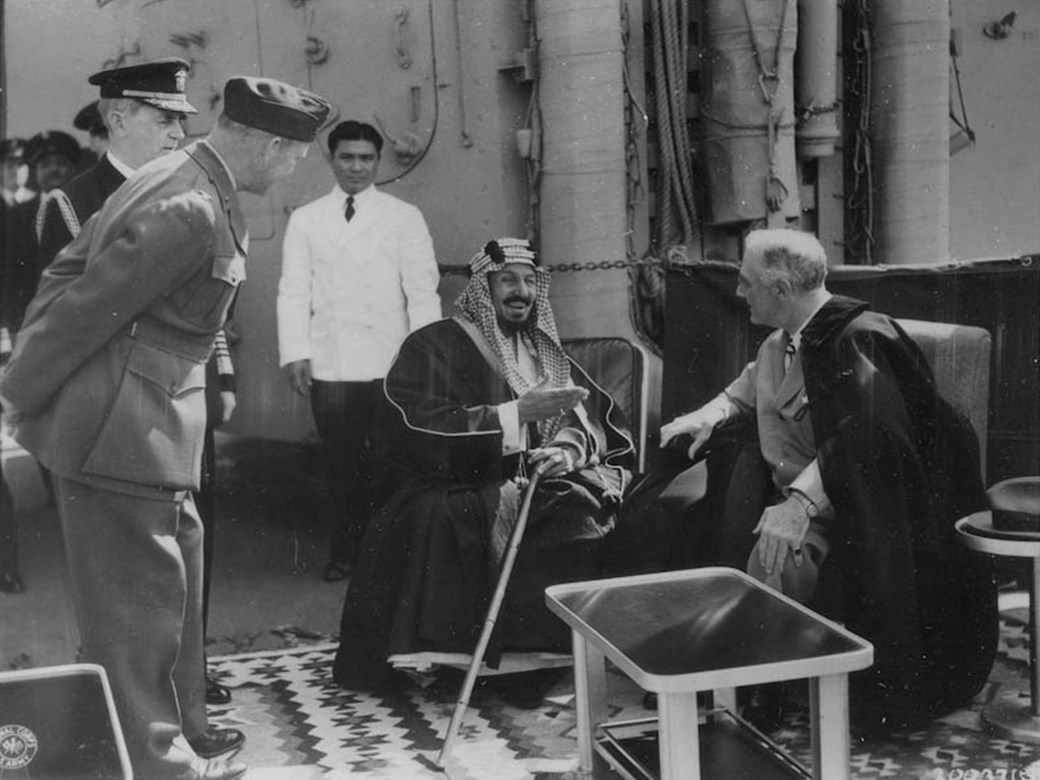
977 533
720 608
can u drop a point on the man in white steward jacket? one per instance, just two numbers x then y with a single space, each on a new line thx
358 275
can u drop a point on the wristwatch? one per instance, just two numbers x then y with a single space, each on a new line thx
811 510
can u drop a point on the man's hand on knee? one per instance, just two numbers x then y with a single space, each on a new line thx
781 530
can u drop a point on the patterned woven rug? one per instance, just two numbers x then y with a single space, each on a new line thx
300 725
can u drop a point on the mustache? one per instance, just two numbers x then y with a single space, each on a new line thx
519 299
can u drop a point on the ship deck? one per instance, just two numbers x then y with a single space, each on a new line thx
272 636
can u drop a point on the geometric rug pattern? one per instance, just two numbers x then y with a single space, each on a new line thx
301 726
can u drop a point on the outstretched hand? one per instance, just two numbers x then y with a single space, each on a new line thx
543 402
698 425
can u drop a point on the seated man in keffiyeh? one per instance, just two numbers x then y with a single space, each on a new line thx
478 401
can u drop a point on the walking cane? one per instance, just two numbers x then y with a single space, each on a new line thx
489 621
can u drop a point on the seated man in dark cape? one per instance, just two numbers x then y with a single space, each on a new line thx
476 402
860 463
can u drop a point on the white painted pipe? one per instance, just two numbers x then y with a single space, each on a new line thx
750 62
582 207
815 87
909 130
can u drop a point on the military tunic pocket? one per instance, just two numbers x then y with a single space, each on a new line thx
153 431
205 299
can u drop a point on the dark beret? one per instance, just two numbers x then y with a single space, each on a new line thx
160 83
275 107
51 142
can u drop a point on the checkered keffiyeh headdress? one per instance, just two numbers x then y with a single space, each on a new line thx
476 304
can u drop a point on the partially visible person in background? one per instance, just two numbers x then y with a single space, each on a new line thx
88 119
10 577
14 173
52 158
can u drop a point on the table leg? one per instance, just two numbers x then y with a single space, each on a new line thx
679 744
1007 717
590 697
829 716
1034 677
726 698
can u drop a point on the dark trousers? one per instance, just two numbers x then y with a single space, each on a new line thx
135 565
8 529
751 490
205 503
345 414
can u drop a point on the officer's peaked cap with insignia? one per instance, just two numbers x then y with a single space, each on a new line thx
160 83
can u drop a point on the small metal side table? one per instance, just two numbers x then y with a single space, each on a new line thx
977 533
710 629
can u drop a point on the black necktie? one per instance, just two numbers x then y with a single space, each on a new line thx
789 350
349 213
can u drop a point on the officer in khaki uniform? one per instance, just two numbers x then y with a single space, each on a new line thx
145 105
107 383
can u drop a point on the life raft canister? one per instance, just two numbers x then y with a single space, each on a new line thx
747 113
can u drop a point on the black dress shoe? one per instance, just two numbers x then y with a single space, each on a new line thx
762 705
10 582
215 742
336 571
216 693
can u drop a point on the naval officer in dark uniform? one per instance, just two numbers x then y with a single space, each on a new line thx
144 107
106 387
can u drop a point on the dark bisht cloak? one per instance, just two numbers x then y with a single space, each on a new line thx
426 568
900 466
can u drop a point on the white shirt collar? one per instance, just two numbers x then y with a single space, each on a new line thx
358 198
119 165
796 337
